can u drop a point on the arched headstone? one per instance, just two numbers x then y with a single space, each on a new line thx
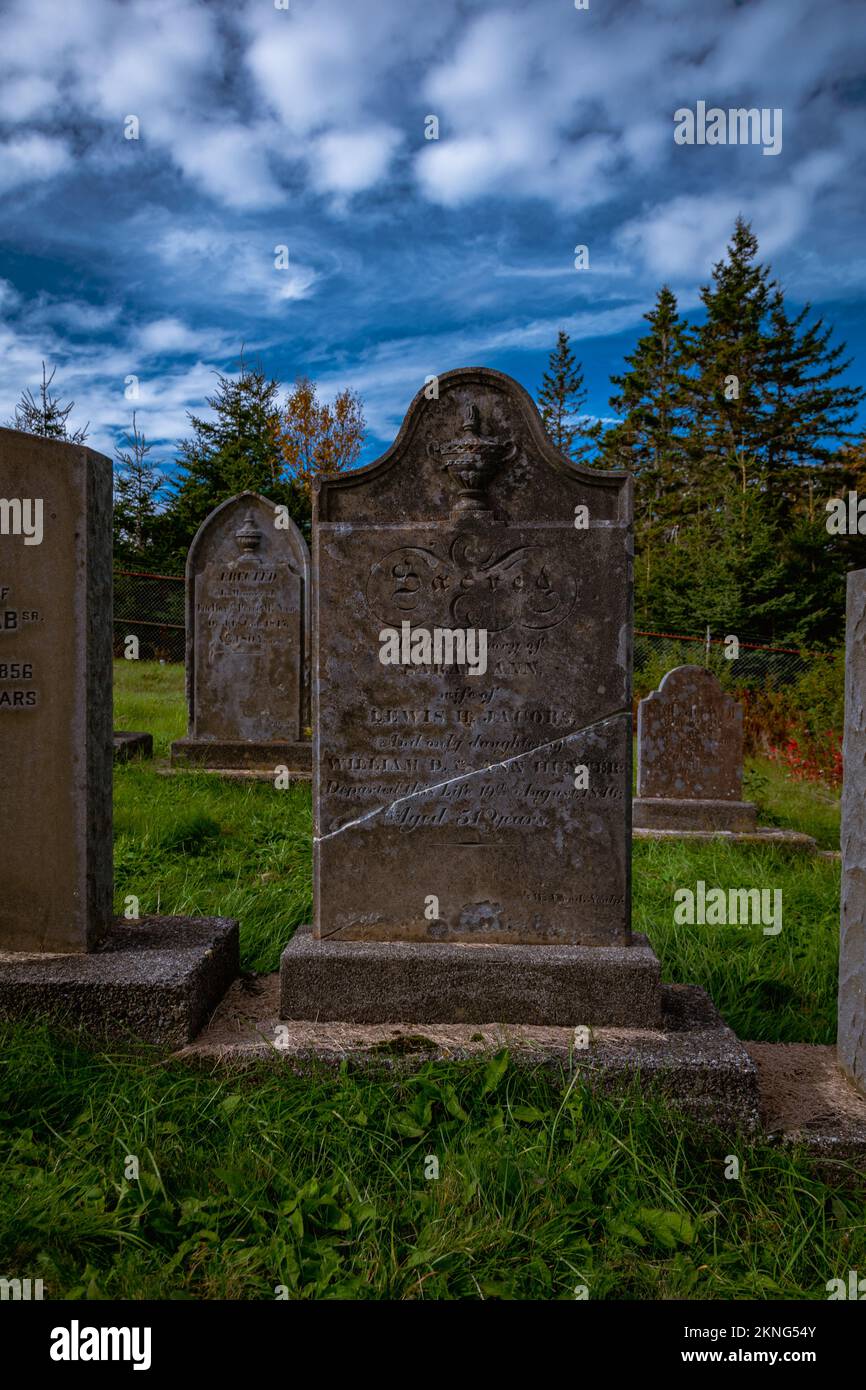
472 705
247 640
690 756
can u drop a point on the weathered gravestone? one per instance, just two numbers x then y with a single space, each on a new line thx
690 757
61 953
472 717
247 641
851 1040
55 695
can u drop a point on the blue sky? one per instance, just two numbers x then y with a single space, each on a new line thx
304 127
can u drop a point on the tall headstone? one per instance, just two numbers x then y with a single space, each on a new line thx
851 1039
247 641
472 728
55 695
62 954
690 756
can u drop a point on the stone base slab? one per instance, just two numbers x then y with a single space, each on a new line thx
806 1099
763 835
451 982
675 813
157 980
235 774
131 745
693 1060
233 756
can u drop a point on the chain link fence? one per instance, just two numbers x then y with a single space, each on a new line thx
149 607
746 664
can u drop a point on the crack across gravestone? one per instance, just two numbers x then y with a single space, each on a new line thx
467 776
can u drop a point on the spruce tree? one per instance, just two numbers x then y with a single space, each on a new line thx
728 428
805 406
560 399
235 451
766 395
652 397
46 415
137 485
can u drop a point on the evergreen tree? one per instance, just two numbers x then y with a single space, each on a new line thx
560 399
652 396
46 416
722 569
804 408
728 424
137 485
235 451
748 402
766 395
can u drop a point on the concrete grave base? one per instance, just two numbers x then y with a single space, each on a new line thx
129 745
451 982
226 756
157 980
807 1099
235 774
687 813
762 835
692 1058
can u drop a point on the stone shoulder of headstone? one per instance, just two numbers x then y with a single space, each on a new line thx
690 738
248 625
473 805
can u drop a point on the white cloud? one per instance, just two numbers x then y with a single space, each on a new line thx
169 335
8 294
348 161
25 96
242 267
230 163
31 158
680 240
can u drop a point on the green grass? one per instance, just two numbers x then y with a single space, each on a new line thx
318 1184
198 846
150 697
195 844
795 805
768 988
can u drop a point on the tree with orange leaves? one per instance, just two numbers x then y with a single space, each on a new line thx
318 438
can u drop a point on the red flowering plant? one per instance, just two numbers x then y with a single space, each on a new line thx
811 757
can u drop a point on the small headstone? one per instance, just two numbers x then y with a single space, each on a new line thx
851 1041
690 756
129 745
473 711
247 640
55 695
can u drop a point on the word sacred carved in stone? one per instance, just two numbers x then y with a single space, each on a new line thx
473 585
